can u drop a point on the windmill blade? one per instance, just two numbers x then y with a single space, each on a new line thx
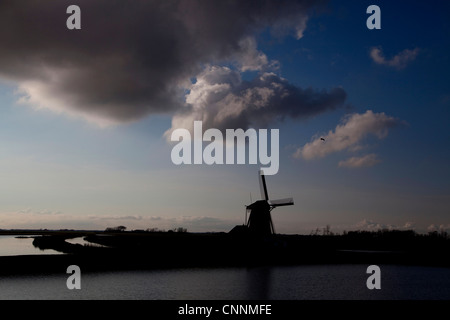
262 186
272 228
281 202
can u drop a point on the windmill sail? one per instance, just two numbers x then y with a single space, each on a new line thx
281 202
260 220
263 186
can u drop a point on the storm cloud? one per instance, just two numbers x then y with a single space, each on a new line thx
135 58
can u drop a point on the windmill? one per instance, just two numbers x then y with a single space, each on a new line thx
260 220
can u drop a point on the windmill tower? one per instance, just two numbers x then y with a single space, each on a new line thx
260 220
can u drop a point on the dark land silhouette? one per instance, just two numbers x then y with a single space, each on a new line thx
117 249
254 243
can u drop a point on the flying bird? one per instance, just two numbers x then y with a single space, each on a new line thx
323 139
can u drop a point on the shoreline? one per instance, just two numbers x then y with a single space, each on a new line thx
58 264
174 250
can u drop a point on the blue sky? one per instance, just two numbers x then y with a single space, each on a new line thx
59 170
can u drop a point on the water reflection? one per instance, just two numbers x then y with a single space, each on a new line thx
20 245
258 283
274 283
81 241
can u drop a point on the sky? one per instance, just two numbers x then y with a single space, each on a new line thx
86 115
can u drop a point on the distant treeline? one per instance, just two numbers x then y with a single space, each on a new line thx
435 242
123 228
399 233
326 231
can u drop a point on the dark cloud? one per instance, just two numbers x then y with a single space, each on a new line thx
134 58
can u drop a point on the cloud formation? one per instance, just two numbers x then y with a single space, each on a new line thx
370 225
348 135
222 99
133 59
399 61
39 219
438 228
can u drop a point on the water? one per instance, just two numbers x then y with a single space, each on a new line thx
12 246
80 240
274 283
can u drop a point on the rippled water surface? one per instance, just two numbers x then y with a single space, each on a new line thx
284 283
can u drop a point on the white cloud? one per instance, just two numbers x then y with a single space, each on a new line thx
370 225
359 162
348 135
250 59
409 225
301 27
441 227
399 61
223 100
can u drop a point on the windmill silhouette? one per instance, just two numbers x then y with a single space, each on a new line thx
260 220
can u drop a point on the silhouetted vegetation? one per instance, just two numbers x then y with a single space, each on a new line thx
153 248
116 229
